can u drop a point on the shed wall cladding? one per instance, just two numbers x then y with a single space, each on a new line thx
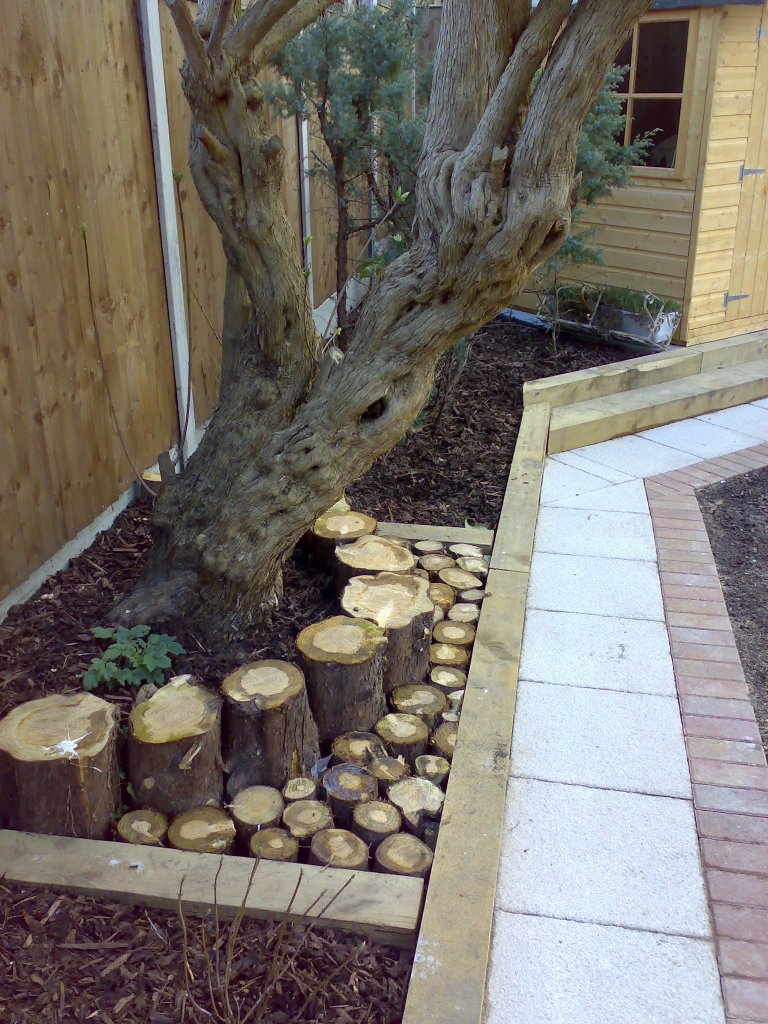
76 149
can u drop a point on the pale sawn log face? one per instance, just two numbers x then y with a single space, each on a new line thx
495 195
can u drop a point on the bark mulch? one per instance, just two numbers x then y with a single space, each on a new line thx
68 959
736 514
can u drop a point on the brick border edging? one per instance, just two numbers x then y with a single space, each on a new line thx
727 763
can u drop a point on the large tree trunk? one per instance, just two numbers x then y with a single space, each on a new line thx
495 193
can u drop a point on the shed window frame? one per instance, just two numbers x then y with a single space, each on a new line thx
676 173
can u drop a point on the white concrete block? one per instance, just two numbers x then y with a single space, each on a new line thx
745 419
629 497
595 586
546 971
561 481
597 651
602 856
627 741
576 461
696 437
637 456
575 531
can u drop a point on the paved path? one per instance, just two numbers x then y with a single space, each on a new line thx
602 911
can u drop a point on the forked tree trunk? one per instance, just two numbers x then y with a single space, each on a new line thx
495 193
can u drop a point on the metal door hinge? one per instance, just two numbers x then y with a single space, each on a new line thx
728 298
745 172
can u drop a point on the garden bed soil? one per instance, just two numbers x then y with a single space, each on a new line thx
736 516
65 964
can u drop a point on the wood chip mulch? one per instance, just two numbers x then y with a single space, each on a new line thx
65 959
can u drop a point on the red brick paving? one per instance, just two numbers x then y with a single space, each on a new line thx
725 754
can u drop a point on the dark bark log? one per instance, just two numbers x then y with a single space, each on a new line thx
174 749
376 820
344 665
255 808
403 735
58 766
337 848
274 844
403 855
387 771
144 827
306 817
346 786
202 830
360 748
269 732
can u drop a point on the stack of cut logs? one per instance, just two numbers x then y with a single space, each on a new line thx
377 688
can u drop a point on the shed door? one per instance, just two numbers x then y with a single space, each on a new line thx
747 294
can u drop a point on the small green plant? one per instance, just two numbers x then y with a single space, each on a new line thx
135 656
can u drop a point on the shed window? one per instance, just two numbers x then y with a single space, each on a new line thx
656 54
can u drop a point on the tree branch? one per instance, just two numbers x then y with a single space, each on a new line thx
219 27
191 40
268 25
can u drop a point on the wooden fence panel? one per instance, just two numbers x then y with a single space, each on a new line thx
76 150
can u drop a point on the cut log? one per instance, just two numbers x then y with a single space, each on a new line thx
438 615
447 654
274 844
460 579
431 831
343 660
451 716
371 555
374 821
202 830
444 739
466 550
346 786
426 702
464 613
421 573
58 766
387 770
460 634
433 768
476 566
337 848
418 800
144 827
428 547
404 855
401 606
255 808
269 731
337 527
434 564
457 699
357 748
174 748
301 788
404 736
402 541
442 595
474 596
305 817
447 678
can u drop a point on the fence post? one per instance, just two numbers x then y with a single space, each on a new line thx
149 21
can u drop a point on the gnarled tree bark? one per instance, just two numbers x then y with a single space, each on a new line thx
495 192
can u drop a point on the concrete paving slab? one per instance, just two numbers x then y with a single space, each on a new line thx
561 481
704 440
597 651
577 461
548 971
598 586
745 419
603 857
626 741
574 531
761 403
637 456
629 497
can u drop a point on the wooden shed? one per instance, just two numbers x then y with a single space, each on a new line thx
693 223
